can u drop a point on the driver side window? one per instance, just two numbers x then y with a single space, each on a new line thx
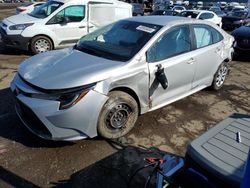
69 14
174 42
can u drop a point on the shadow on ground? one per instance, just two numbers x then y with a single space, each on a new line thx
12 51
115 171
14 180
245 57
13 129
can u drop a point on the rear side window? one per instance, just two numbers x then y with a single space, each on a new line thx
173 42
203 36
73 13
206 35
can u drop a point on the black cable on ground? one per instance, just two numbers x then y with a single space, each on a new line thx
139 169
156 165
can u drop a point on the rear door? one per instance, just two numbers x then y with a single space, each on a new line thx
209 53
171 53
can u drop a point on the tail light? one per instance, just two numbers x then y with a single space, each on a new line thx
21 9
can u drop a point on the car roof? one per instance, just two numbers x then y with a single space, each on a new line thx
198 11
162 20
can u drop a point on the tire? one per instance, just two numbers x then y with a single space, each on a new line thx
118 115
40 44
220 76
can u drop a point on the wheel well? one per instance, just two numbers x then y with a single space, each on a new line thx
43 36
131 93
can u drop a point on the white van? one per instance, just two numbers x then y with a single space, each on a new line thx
60 23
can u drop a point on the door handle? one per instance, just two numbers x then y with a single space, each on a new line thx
82 26
190 61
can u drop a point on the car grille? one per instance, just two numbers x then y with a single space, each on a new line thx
4 37
3 31
31 120
243 43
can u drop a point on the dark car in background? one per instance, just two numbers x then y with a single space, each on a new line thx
235 20
137 9
220 13
165 12
215 8
242 38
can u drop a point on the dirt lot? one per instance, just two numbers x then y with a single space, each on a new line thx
27 161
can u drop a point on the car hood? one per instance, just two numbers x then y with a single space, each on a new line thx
67 68
21 19
242 32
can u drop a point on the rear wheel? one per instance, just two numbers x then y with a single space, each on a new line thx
118 115
40 44
220 76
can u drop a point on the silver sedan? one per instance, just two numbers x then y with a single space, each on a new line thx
114 74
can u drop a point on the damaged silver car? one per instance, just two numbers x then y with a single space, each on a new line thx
114 74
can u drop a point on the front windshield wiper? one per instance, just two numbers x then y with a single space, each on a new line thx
87 49
99 53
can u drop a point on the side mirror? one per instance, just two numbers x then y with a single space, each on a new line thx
161 77
62 20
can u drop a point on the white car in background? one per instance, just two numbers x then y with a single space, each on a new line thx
202 15
27 8
178 8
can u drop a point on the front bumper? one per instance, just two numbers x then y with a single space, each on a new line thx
44 119
15 41
242 46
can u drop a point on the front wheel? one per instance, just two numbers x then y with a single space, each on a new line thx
41 44
220 76
118 115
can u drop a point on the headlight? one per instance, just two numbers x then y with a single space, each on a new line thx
70 99
20 26
66 97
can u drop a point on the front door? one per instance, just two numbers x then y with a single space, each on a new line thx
70 25
172 54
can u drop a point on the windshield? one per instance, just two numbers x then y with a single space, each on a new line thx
240 14
46 9
189 14
118 41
